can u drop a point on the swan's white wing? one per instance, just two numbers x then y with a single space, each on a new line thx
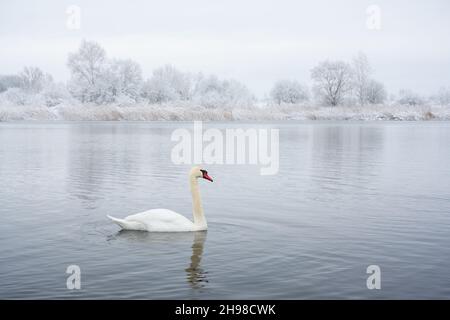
162 220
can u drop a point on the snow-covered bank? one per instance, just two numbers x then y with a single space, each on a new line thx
180 112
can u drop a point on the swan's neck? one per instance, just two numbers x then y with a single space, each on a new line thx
197 209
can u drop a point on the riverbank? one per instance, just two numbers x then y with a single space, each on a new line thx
188 113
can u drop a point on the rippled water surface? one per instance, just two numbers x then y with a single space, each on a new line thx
348 195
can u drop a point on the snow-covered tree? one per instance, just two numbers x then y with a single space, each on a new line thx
286 91
332 81
28 87
125 78
375 92
211 92
366 89
88 68
443 96
407 97
167 84
33 79
9 81
361 77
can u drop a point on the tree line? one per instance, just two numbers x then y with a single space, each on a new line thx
97 79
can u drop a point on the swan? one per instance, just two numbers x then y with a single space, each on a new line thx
164 220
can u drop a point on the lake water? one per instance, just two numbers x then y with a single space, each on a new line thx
348 195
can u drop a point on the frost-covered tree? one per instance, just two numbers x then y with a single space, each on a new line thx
167 84
375 92
332 81
407 97
443 96
211 92
361 77
286 91
33 79
88 69
125 79
27 87
366 89
9 81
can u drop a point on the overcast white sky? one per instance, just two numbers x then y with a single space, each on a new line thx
254 41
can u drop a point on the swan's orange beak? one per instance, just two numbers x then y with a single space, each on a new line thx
206 176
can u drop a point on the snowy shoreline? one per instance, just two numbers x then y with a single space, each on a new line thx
101 88
180 112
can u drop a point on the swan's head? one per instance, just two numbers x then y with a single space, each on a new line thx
198 172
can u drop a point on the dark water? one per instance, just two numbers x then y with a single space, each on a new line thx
348 195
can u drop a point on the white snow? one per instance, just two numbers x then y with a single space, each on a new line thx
188 111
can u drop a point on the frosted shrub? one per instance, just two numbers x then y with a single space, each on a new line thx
124 101
9 81
443 96
214 93
375 92
55 94
15 96
167 84
407 97
286 91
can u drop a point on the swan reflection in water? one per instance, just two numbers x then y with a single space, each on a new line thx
195 274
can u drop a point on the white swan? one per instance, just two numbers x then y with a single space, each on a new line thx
164 220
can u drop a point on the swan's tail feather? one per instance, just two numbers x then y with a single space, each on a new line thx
120 222
127 225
